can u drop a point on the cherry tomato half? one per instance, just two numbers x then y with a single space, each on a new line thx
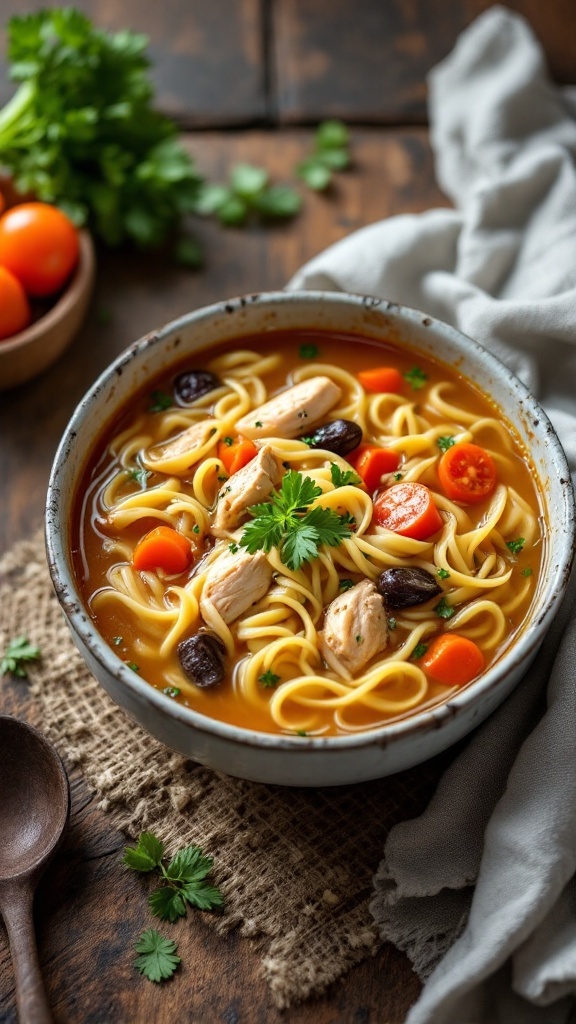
39 245
467 473
14 308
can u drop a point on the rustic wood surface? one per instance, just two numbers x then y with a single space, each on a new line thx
271 69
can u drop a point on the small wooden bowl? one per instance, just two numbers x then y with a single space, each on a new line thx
27 353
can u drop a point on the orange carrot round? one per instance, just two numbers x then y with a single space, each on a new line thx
381 379
371 462
163 548
409 510
467 473
236 455
453 660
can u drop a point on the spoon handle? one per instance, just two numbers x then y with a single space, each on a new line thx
31 997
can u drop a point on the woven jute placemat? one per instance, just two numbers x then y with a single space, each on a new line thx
306 893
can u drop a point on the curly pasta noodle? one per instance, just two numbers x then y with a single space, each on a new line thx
278 673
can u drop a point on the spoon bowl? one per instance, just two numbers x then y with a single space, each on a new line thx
34 810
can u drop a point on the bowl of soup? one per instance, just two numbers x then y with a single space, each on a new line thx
305 538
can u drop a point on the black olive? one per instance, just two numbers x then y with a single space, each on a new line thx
339 436
403 586
192 384
202 658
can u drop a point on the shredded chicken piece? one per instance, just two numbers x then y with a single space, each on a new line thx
355 629
248 486
236 581
293 412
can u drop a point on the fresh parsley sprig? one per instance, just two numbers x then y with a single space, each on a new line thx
331 153
340 478
184 876
286 522
248 192
18 652
157 960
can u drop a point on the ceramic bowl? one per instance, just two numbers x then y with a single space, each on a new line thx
34 349
283 759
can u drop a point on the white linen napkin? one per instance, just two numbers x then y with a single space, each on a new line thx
481 889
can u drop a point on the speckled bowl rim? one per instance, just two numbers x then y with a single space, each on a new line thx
522 651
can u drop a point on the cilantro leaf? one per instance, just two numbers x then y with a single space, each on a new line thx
157 960
147 855
515 546
340 478
445 442
18 652
286 522
416 377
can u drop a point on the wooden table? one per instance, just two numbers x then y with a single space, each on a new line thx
246 81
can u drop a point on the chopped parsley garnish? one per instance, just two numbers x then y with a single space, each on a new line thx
301 732
443 609
398 476
184 877
286 522
308 351
160 401
228 441
196 529
171 691
416 377
445 442
258 423
346 584
133 666
117 640
340 478
359 638
269 679
157 960
515 546
308 440
140 475
18 652
419 651
443 574
392 624
527 571
233 548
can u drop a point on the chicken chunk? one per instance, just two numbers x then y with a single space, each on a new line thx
236 581
293 412
177 454
248 486
355 629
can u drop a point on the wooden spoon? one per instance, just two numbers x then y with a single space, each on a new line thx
34 809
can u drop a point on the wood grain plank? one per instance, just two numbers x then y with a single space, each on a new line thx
367 61
207 58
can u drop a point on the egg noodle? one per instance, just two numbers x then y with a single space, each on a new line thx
277 637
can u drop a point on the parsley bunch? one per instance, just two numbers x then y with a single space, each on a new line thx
185 877
248 192
81 132
285 522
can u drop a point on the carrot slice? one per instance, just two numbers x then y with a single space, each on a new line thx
371 462
409 510
381 379
236 455
467 473
163 548
453 660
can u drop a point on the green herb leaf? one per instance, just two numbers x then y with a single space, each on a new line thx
315 173
160 401
248 181
167 903
515 546
117 640
446 442
18 652
308 351
340 478
332 134
228 441
278 201
419 651
133 666
140 475
392 623
527 571
147 855
157 960
171 691
443 574
444 610
416 378
398 476
269 679
346 584
286 522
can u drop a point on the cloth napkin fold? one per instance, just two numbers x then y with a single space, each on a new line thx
480 890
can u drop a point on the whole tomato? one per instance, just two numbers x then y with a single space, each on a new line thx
14 308
39 245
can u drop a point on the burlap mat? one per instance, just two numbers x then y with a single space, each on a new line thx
295 866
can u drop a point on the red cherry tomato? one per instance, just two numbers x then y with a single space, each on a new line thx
467 473
39 245
14 308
